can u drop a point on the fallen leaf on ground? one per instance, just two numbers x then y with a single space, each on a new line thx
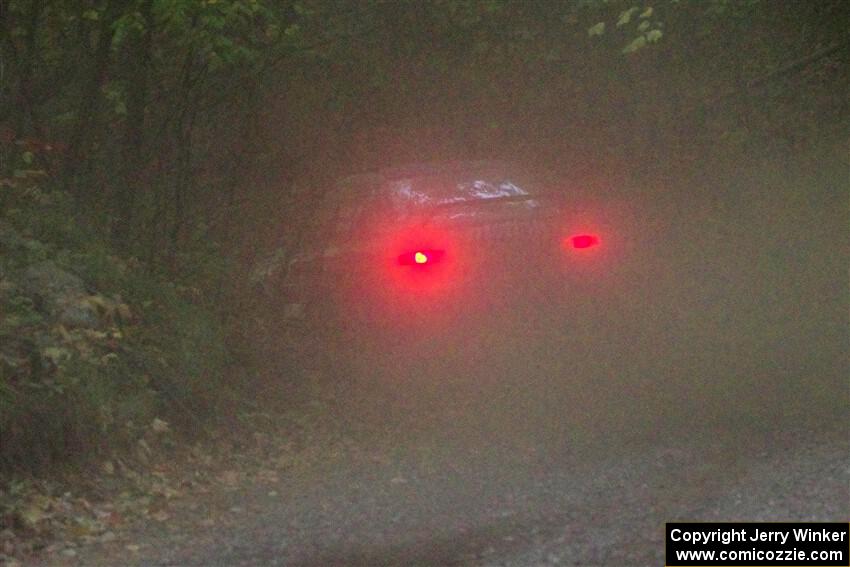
268 476
161 516
32 515
229 477
160 426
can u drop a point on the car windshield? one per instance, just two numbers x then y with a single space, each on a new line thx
443 187
437 190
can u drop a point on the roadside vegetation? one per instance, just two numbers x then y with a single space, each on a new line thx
94 346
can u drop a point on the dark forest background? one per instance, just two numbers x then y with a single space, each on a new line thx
160 157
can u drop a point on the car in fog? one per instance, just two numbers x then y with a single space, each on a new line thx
440 241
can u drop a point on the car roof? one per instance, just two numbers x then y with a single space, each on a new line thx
428 169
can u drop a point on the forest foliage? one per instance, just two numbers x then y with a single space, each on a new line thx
174 121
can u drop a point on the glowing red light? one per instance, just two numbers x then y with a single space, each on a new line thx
584 241
420 257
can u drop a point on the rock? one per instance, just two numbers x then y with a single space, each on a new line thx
62 296
47 277
52 286
79 314
8 288
10 239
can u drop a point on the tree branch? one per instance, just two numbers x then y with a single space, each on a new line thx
781 72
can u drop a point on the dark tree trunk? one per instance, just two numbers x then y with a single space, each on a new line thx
133 152
87 111
25 78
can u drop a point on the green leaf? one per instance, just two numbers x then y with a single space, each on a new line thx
626 16
646 13
27 157
598 29
56 354
637 43
654 35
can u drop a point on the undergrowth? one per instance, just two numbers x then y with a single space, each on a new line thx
155 347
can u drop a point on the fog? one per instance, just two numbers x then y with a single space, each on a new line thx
726 307
194 257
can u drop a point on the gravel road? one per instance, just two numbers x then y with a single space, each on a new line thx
444 502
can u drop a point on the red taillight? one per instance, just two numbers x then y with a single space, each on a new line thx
581 241
420 257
